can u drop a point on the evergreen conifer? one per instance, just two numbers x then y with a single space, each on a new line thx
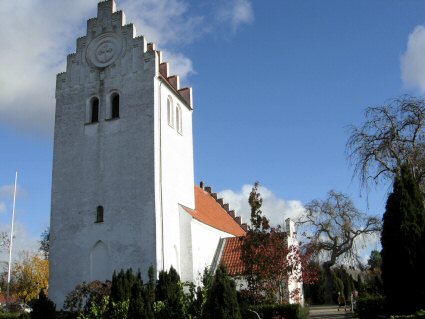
122 291
403 246
136 309
43 307
149 295
170 291
221 301
121 285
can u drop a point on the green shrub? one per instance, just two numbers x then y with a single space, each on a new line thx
418 315
221 299
43 307
66 315
7 315
169 290
248 314
286 311
370 307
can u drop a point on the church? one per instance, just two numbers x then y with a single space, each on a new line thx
123 192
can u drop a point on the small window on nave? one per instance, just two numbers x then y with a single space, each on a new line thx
170 118
179 119
99 214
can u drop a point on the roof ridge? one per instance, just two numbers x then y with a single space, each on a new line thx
225 206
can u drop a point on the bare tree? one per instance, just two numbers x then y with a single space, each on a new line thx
392 135
4 241
45 243
336 229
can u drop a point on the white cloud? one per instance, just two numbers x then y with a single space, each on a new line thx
366 244
274 208
179 64
6 191
413 60
166 22
236 13
3 208
39 34
22 240
35 41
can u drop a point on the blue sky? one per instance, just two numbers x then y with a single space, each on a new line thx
276 86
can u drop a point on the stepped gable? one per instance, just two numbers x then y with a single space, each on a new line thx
112 47
173 81
210 212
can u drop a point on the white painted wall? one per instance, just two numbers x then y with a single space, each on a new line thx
204 245
109 163
174 152
293 283
186 254
198 244
137 166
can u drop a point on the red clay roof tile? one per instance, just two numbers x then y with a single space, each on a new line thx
231 257
209 212
232 253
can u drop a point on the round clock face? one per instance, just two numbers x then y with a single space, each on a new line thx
104 50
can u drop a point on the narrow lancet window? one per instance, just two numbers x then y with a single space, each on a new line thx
179 119
95 110
170 112
99 214
115 101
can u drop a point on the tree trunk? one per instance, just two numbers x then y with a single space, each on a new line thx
328 284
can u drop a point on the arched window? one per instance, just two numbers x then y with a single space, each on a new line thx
115 103
99 214
94 110
179 119
170 112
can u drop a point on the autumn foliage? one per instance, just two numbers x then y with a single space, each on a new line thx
30 274
270 263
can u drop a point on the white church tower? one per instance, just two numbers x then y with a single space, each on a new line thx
123 158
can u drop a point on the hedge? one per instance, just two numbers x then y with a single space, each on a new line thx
286 311
418 315
370 307
7 315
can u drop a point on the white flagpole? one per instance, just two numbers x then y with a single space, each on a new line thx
11 240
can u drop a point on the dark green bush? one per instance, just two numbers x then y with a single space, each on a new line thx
247 314
43 307
170 291
370 307
6 315
418 315
24 316
66 315
221 299
281 311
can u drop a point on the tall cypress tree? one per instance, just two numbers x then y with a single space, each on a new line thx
149 295
253 245
170 291
403 251
43 307
221 301
121 285
136 308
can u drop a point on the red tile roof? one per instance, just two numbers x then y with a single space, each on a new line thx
209 212
232 253
3 298
231 257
